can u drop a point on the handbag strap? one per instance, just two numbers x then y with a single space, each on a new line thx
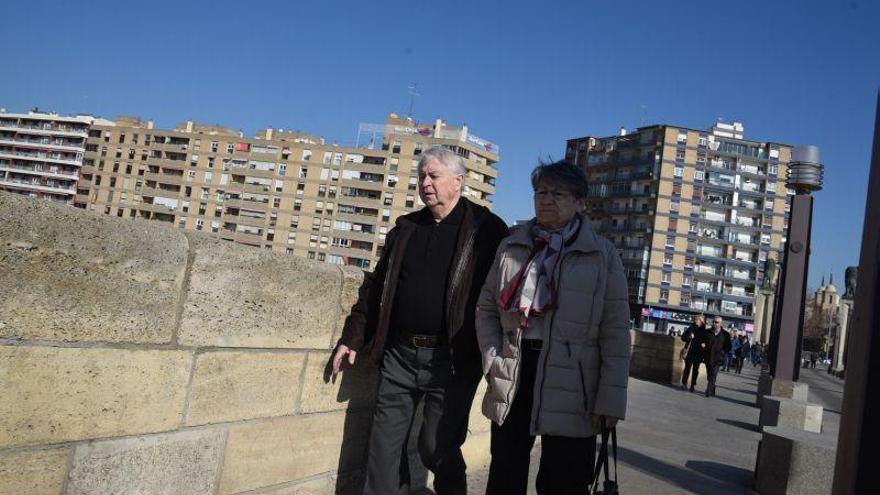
602 461
602 465
614 450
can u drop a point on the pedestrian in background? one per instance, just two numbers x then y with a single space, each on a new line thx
695 343
717 347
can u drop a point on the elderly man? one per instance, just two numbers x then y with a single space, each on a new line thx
717 346
415 318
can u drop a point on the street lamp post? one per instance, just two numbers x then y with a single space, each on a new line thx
804 176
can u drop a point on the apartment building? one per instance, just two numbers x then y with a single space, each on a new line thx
694 213
41 153
286 191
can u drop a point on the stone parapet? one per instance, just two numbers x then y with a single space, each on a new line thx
136 358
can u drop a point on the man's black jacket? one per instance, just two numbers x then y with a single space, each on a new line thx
366 328
716 346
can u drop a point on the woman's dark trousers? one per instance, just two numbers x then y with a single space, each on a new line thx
566 463
692 369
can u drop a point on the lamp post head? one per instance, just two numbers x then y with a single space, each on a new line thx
805 171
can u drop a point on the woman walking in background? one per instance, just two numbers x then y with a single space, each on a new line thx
695 342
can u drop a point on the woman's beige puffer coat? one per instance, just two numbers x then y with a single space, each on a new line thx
584 364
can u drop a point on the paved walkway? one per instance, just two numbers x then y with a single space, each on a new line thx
676 442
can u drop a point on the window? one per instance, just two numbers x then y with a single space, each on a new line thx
282 169
703 141
190 175
773 169
209 176
214 145
230 147
670 241
667 259
698 175
664 296
307 155
682 137
678 171
679 155
674 206
686 281
667 277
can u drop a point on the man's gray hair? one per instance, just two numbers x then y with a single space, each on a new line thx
447 157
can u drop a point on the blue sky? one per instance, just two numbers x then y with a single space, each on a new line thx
527 75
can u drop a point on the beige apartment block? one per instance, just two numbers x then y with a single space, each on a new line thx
694 213
285 191
41 153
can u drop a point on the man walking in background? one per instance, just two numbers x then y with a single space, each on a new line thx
717 346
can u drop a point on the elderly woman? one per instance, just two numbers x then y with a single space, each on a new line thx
553 328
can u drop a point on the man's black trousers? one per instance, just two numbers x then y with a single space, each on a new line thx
408 376
712 378
566 463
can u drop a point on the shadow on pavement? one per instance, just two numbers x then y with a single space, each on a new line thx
740 390
739 476
692 481
740 424
736 401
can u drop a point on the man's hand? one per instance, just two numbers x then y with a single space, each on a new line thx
341 352
600 420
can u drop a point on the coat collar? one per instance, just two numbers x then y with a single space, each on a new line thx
586 241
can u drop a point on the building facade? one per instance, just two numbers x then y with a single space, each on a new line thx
41 154
694 213
285 191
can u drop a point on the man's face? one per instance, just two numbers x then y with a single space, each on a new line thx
716 325
554 206
437 184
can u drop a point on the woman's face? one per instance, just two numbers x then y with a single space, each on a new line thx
554 206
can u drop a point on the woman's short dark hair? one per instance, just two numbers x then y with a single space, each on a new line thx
563 174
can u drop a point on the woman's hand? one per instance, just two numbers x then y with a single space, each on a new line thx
600 420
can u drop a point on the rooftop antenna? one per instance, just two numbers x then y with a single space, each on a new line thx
644 114
412 98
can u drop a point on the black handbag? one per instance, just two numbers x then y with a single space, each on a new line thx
609 486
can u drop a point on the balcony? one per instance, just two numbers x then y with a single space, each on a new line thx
40 157
36 186
37 170
39 144
250 188
44 130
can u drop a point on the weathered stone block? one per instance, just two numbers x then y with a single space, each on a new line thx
55 394
34 472
281 450
781 411
355 388
70 275
229 386
243 297
180 463
794 462
352 278
781 388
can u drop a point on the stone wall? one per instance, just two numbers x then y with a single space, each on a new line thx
136 358
655 357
